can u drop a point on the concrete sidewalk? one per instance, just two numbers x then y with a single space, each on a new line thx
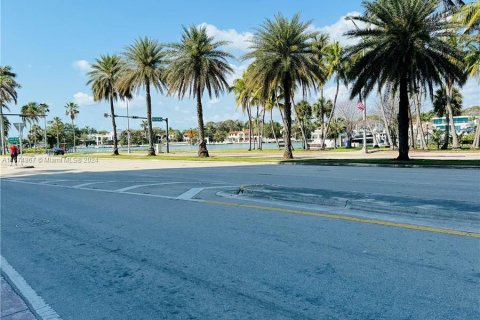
12 305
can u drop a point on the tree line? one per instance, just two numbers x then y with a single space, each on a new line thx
404 50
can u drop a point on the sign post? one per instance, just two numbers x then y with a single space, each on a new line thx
160 119
19 126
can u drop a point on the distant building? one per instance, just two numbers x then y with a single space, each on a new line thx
462 123
238 136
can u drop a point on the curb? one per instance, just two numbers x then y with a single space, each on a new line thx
368 203
353 164
35 303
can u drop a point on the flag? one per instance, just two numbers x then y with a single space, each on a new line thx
361 106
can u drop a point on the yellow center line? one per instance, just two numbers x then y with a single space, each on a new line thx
347 218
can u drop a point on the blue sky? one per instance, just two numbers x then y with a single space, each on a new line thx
51 43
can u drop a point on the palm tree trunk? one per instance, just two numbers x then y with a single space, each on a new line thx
446 138
287 86
403 120
73 127
263 128
58 139
455 141
273 128
302 127
114 125
249 112
322 145
410 122
257 129
151 150
476 140
385 122
423 143
202 146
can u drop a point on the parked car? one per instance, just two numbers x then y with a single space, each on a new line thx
57 151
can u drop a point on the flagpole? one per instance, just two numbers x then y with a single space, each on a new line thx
364 149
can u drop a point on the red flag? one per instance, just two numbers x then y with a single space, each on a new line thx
361 106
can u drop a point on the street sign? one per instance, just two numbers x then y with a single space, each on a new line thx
14 140
157 119
19 126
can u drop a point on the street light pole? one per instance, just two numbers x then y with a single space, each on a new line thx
364 148
128 130
168 138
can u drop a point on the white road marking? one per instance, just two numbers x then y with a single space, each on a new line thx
35 302
79 186
188 195
147 185
52 180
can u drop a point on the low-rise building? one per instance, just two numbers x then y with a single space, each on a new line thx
462 123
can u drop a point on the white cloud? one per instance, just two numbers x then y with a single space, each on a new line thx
238 41
82 66
83 99
214 101
237 72
337 30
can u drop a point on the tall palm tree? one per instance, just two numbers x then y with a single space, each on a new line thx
71 110
448 102
469 17
8 93
320 109
337 65
144 69
31 114
284 57
44 110
197 64
405 44
104 79
57 125
243 98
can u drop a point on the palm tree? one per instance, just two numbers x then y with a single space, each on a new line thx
144 69
320 109
197 64
469 17
284 57
57 125
449 104
104 79
8 93
31 114
405 45
336 128
472 59
337 65
71 110
44 109
243 98
303 111
6 126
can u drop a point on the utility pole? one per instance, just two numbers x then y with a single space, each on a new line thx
128 130
168 138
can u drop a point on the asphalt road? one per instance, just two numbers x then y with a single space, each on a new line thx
121 245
